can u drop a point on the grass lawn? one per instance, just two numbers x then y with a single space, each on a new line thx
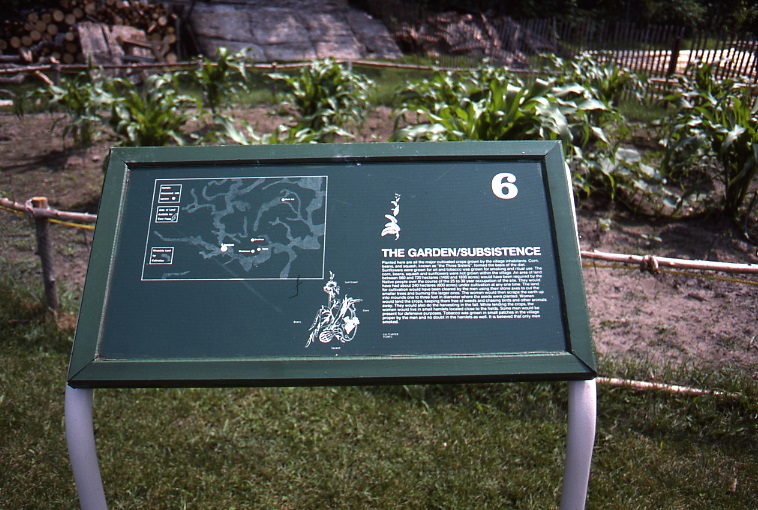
433 446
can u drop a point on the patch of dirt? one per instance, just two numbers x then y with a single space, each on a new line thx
676 317
701 318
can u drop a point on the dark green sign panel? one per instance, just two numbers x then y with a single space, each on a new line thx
333 264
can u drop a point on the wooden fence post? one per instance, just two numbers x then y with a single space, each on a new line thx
674 56
45 252
273 82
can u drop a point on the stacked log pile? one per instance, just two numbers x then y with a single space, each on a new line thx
53 35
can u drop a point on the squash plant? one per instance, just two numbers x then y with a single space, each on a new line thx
245 135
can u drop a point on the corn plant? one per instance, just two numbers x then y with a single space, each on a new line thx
221 79
152 115
442 90
492 104
81 97
485 104
325 95
507 112
716 122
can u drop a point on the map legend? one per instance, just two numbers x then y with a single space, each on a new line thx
170 194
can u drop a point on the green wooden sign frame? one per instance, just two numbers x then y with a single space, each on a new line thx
121 340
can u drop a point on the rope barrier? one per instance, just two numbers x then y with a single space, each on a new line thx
73 225
14 211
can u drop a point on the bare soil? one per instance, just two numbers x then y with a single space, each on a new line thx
696 318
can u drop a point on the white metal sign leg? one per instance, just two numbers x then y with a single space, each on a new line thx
80 436
582 417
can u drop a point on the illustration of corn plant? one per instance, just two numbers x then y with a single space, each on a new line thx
392 228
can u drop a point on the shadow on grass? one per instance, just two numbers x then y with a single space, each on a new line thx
28 325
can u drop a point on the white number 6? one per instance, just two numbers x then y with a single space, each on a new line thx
503 187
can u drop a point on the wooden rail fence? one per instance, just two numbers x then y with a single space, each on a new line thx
39 210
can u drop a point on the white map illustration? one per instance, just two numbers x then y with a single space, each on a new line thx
237 228
337 320
391 228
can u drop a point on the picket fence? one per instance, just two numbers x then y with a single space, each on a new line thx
655 51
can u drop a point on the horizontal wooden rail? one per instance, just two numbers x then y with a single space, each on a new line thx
670 388
38 212
652 262
36 68
647 262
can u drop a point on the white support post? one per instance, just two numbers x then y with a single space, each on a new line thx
582 418
80 436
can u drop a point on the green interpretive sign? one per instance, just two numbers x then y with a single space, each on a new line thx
334 264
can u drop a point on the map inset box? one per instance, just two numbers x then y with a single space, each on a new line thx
170 194
242 228
161 255
167 214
